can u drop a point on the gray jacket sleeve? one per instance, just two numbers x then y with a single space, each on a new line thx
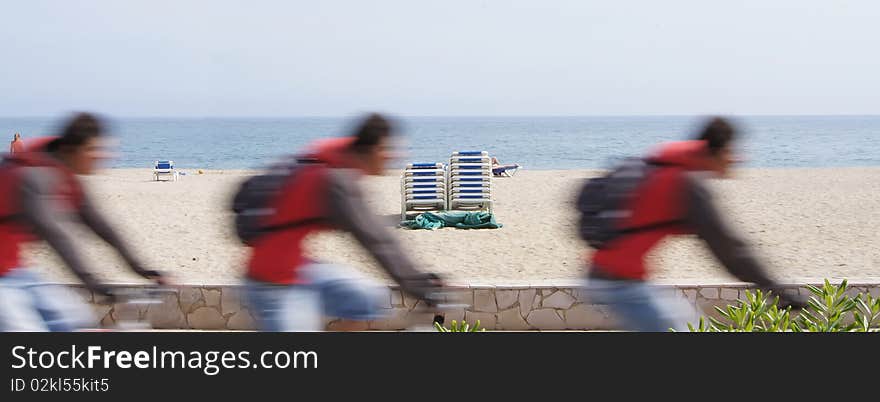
731 251
42 211
348 211
95 221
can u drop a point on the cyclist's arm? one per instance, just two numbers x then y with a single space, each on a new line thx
95 221
730 250
348 210
41 210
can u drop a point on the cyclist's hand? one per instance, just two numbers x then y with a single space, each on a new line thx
796 302
435 280
424 286
156 276
161 280
424 281
105 296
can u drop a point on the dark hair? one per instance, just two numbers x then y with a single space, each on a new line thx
718 132
373 129
79 129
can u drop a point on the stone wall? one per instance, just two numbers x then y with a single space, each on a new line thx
498 307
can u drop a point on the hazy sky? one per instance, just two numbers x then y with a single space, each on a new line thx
451 57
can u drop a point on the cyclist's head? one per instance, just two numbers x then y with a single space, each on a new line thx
79 143
719 135
372 143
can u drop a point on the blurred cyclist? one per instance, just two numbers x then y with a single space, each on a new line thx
289 292
40 198
672 199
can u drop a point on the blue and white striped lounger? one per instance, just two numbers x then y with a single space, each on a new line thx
423 188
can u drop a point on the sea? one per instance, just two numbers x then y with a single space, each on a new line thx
534 142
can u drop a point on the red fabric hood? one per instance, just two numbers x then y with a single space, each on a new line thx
330 150
690 155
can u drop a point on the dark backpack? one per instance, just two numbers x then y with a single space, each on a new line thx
252 203
604 202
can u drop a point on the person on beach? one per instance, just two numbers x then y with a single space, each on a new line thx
673 199
40 199
17 144
503 170
288 291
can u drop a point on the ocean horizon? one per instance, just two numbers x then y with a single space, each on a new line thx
536 142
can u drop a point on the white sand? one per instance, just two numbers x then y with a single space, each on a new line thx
805 223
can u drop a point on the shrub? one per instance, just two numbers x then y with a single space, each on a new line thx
829 309
459 327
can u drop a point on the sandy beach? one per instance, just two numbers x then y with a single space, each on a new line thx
805 223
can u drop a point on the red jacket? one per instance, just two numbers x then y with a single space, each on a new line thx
276 257
660 199
14 233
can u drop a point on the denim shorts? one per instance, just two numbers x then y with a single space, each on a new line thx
27 303
329 291
642 306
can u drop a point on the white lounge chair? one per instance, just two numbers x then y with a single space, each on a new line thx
164 168
470 181
422 188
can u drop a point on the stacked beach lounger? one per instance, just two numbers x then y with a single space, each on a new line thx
470 181
423 188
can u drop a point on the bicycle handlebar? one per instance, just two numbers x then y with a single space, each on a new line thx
142 295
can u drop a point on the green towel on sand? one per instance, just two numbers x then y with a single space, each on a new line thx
461 220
